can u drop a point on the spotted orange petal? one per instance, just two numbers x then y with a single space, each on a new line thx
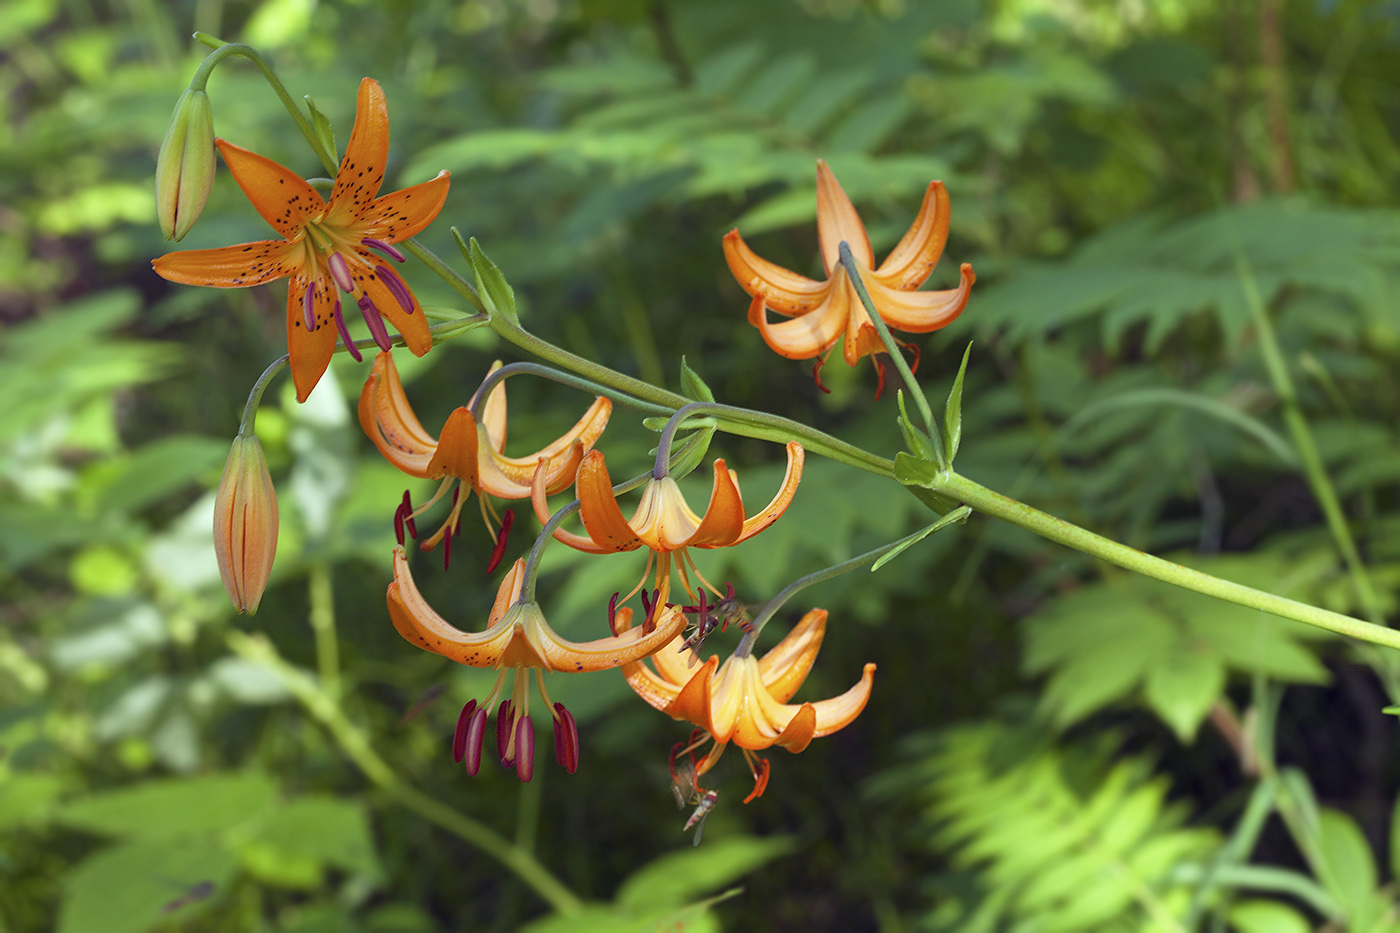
405 213
362 169
782 499
232 266
280 195
309 351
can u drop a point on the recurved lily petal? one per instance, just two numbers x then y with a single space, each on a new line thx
786 665
838 221
782 499
511 477
824 312
608 531
388 420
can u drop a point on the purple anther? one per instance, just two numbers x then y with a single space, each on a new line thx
345 337
524 749
446 551
459 735
612 613
384 248
391 281
403 518
565 738
308 307
377 330
398 523
504 723
340 271
476 730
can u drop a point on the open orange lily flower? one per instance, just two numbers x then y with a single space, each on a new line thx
745 700
517 639
824 312
663 521
328 247
469 451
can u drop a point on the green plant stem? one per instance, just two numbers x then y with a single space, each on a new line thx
770 608
497 376
1047 526
201 78
353 742
322 599
741 421
1306 445
896 356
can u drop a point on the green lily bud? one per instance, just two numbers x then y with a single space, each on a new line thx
185 166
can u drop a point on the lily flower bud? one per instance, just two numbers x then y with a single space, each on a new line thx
185 166
245 524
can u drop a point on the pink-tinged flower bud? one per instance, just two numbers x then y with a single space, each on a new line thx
185 166
245 524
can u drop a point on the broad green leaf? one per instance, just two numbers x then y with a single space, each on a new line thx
915 440
28 799
327 830
1182 687
1258 916
678 877
134 886
913 471
173 808
1348 870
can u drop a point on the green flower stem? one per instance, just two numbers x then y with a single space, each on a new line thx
532 563
896 355
739 421
771 607
353 742
1303 441
227 49
322 599
495 377
443 331
1047 526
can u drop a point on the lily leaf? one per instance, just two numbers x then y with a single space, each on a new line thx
917 471
952 414
958 515
322 126
491 284
692 386
917 441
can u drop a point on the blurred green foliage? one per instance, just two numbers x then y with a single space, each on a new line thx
1050 745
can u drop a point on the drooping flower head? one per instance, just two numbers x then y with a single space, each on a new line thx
469 454
745 700
821 313
517 639
663 521
328 247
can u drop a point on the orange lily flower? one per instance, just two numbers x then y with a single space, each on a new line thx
663 521
824 312
517 639
745 701
468 451
327 245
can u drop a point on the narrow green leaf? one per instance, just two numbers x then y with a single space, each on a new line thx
952 413
322 126
491 284
692 386
936 502
675 879
1259 916
958 515
691 454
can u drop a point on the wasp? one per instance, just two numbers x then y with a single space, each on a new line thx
711 617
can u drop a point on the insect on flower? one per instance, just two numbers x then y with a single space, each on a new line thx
685 786
711 617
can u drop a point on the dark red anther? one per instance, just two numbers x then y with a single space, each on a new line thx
879 368
651 606
408 517
398 523
612 613
524 749
914 366
565 738
760 780
500 549
476 731
446 551
504 722
817 374
729 598
459 735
